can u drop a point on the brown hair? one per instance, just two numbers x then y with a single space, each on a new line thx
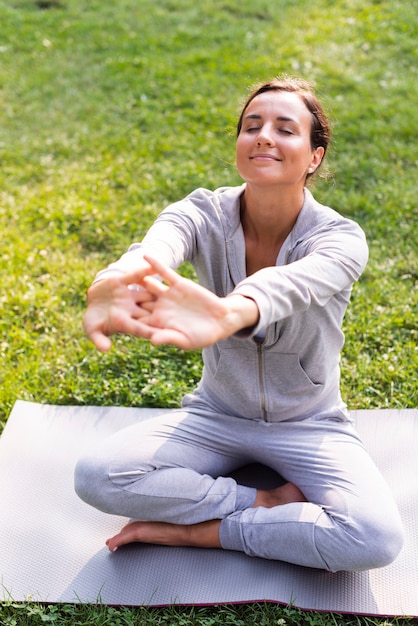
320 127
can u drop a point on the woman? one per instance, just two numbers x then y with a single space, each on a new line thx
275 272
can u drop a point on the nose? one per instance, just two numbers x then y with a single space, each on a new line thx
265 136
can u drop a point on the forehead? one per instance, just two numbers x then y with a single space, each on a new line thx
279 104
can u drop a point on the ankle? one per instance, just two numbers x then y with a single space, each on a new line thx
204 534
285 494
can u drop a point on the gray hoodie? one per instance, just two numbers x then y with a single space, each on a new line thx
286 367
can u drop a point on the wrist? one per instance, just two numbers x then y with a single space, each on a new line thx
243 312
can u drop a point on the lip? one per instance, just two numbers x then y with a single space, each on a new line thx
264 157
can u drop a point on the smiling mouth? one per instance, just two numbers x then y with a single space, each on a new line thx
264 157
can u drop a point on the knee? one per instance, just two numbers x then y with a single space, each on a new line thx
89 482
384 542
372 545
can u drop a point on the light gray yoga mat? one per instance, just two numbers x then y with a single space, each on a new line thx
52 544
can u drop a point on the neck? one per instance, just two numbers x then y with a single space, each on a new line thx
269 217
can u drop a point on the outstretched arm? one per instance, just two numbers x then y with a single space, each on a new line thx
186 315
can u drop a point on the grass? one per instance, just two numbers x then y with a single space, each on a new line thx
111 110
232 615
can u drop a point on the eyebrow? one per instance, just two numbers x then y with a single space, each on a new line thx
280 118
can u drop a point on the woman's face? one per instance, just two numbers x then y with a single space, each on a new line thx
274 145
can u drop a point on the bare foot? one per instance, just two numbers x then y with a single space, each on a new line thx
203 535
285 494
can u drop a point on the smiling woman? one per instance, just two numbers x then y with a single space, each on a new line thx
282 137
276 130
320 130
276 269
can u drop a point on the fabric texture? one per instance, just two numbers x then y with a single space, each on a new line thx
175 472
175 469
295 372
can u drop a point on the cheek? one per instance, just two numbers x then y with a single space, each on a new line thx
301 152
240 151
240 144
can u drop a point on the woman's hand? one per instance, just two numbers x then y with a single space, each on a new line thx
115 306
186 315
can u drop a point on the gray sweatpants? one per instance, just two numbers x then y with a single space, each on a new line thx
174 468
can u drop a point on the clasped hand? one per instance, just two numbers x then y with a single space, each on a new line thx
176 311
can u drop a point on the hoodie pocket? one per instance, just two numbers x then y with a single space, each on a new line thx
287 384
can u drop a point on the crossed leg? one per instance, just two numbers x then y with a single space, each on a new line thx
335 511
201 535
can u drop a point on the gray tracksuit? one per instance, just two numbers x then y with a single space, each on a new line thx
294 371
282 377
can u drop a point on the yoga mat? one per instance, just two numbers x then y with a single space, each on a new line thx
52 544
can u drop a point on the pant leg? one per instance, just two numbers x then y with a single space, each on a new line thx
350 521
166 470
170 469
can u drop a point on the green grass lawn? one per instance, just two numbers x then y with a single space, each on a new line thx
110 110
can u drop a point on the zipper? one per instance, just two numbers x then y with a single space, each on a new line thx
260 379
260 356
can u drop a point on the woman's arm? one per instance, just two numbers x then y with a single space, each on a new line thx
186 315
180 312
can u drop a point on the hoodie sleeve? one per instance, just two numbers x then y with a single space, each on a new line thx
326 264
171 239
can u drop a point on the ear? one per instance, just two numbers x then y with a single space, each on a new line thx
317 156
